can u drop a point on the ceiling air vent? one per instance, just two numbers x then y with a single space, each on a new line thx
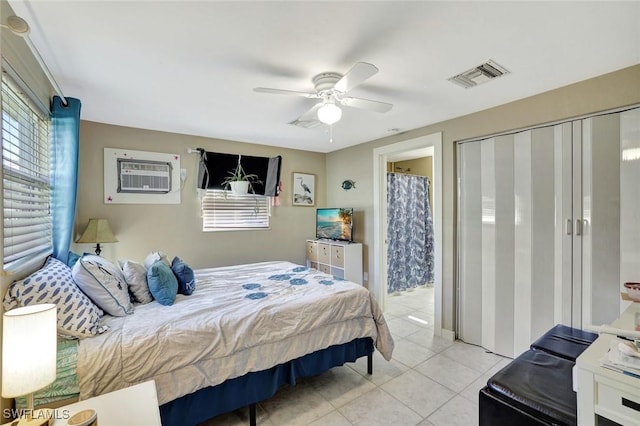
478 75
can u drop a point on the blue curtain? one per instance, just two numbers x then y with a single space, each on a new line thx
409 232
65 139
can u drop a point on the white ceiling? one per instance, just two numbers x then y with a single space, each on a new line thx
190 66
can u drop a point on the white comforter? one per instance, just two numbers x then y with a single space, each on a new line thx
240 319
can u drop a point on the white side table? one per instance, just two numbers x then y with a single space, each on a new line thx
603 392
133 405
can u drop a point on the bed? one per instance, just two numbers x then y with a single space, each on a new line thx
244 331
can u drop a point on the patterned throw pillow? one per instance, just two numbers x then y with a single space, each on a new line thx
184 274
78 317
162 283
136 276
104 283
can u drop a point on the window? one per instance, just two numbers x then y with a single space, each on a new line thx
26 176
223 211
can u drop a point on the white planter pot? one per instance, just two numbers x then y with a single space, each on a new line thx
239 187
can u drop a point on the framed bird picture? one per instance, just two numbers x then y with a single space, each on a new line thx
304 189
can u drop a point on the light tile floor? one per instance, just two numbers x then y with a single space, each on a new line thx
429 381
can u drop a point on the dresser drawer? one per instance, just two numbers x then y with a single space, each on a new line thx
324 253
312 251
337 256
324 268
617 404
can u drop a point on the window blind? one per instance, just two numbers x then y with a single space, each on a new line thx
227 212
26 176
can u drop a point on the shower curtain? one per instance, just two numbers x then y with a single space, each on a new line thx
409 232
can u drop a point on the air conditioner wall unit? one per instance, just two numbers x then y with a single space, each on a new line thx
144 176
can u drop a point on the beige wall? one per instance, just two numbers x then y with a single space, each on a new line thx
617 89
177 229
417 166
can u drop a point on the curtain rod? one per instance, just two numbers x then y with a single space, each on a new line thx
44 67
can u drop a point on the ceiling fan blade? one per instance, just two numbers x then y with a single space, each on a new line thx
309 119
368 104
355 76
284 92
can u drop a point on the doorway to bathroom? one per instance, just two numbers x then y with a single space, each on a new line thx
397 155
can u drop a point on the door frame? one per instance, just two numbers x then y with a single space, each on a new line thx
380 216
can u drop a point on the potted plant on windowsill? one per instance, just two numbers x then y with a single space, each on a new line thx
240 182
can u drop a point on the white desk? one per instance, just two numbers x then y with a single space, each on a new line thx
605 392
136 405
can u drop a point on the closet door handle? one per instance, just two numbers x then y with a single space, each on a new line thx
578 227
569 226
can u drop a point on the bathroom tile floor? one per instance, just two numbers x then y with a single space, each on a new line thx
429 381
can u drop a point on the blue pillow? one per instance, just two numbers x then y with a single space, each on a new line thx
185 276
163 285
72 259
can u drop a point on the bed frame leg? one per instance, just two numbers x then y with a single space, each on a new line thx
252 415
370 364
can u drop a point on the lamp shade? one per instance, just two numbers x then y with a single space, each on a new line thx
97 231
29 346
329 113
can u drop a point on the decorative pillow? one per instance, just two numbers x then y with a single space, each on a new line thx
154 256
72 258
162 283
185 276
104 283
135 274
78 317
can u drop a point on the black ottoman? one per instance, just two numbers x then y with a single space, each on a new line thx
565 342
534 389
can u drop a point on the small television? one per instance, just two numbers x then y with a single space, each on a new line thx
334 224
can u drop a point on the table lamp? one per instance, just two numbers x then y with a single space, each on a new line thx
98 231
29 345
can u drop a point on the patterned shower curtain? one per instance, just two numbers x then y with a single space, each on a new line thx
409 232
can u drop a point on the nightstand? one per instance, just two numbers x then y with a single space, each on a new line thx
605 393
133 405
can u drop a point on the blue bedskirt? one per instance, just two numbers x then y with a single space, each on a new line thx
251 388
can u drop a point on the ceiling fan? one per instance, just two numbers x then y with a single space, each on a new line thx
332 88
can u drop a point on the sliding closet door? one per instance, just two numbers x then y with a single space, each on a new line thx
514 251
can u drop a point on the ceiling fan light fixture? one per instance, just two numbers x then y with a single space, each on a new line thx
329 113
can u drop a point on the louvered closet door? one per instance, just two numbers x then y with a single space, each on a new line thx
629 199
611 213
514 256
548 229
